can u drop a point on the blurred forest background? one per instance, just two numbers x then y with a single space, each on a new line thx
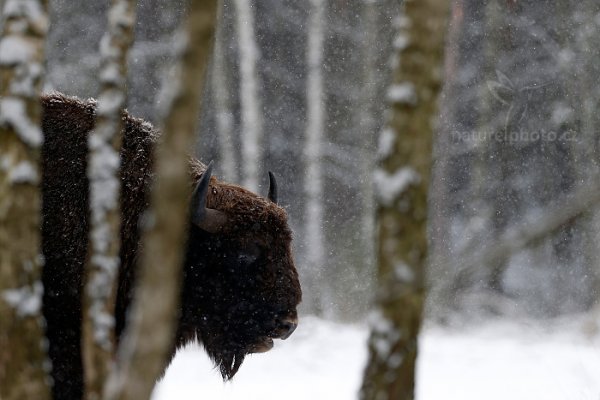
517 135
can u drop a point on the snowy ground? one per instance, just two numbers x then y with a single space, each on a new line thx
324 360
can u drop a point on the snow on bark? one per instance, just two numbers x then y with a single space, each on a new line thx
251 105
23 363
387 141
13 113
104 144
382 329
401 42
402 93
15 50
389 187
27 301
24 172
313 181
150 332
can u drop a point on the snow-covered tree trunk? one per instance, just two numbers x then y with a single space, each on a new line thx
402 183
223 110
149 337
103 173
313 181
23 362
251 105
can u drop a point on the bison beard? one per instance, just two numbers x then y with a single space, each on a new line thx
240 287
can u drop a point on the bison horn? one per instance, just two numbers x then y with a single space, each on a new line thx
272 188
207 219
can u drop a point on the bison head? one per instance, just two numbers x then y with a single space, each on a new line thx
240 286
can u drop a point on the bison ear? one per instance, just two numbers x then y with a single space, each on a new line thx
272 188
207 219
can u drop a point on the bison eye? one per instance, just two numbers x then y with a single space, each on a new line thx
247 259
249 255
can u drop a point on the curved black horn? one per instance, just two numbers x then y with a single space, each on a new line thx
272 188
205 218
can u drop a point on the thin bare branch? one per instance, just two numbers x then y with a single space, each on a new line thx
521 235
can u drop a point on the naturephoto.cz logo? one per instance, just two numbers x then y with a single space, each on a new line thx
516 136
515 100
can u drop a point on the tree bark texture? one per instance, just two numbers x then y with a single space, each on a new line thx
23 362
150 334
402 183
103 173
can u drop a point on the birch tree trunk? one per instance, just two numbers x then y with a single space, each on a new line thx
251 114
313 181
368 129
103 173
402 182
224 114
23 362
150 334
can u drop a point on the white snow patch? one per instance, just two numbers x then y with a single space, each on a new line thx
104 164
27 76
321 360
403 272
15 50
104 263
30 9
111 101
382 331
325 360
401 42
13 113
389 186
107 50
120 16
378 322
27 300
111 73
23 172
503 360
387 141
103 323
402 93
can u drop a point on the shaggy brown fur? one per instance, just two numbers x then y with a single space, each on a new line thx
238 285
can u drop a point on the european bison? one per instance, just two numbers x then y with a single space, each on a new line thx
240 287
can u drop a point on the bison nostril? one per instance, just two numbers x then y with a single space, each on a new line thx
287 327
